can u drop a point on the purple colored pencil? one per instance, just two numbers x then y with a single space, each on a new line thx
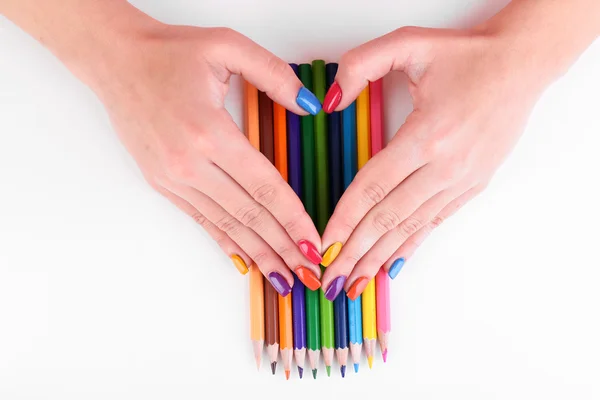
294 148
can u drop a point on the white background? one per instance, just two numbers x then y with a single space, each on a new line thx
105 288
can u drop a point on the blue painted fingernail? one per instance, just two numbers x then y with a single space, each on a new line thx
335 288
396 267
308 101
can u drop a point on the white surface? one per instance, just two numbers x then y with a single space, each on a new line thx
103 284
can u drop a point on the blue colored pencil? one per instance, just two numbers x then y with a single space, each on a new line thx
340 306
295 181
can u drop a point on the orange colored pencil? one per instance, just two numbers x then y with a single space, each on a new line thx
257 290
251 115
286 338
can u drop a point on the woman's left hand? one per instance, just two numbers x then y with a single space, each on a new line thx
472 93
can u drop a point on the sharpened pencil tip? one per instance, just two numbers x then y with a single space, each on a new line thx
314 371
328 368
287 375
384 355
370 359
300 372
356 368
273 367
343 371
257 359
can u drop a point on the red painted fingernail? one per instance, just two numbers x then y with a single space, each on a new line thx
310 251
333 98
357 288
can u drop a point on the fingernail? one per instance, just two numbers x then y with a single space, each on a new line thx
239 263
331 253
396 267
335 288
310 251
308 277
308 101
357 287
332 98
280 284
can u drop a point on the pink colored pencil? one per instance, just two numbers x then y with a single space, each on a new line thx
382 280
382 289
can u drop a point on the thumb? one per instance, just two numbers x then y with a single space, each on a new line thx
265 71
395 51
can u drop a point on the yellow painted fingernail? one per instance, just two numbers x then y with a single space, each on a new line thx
239 264
331 253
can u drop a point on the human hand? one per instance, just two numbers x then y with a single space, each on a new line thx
472 92
165 93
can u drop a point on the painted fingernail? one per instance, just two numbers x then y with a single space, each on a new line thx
396 267
308 101
357 287
280 284
239 264
310 251
308 277
335 287
331 254
332 98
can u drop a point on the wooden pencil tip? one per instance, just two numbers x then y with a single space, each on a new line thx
384 355
314 371
300 372
287 375
257 359
356 365
343 371
328 368
370 359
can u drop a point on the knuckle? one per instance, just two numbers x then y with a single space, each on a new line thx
278 71
261 257
409 227
251 215
292 226
437 221
199 218
353 62
385 221
374 193
178 168
266 194
229 225
203 143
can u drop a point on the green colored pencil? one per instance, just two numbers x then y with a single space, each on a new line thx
322 155
323 209
313 323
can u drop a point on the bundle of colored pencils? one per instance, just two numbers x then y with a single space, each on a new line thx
319 157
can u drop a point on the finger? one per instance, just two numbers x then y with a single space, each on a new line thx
261 199
408 205
238 257
368 266
399 159
263 255
405 49
395 263
267 72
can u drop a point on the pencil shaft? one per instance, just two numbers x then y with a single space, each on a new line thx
265 113
334 135
251 114
363 128
308 150
327 324
271 315
294 148
280 140
321 152
349 156
376 115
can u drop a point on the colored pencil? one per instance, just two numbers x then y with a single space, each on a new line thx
257 301
267 148
369 307
323 207
321 153
382 279
313 328
340 304
295 181
286 338
307 126
349 169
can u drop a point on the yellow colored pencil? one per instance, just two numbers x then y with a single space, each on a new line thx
369 300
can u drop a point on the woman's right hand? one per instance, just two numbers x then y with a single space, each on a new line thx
164 88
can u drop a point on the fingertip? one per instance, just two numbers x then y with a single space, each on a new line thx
308 101
240 264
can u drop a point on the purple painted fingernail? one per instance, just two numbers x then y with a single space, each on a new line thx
280 284
335 287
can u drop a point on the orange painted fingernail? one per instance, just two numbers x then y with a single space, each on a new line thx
331 253
308 277
357 287
239 264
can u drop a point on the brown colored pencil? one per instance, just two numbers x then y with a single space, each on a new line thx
265 116
271 324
